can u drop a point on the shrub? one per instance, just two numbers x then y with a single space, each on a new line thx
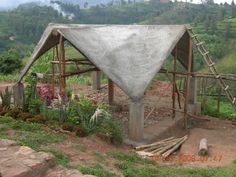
9 62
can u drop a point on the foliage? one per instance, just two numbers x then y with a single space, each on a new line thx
9 61
42 65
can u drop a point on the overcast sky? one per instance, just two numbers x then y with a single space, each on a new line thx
14 3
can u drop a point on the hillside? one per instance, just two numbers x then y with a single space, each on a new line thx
216 24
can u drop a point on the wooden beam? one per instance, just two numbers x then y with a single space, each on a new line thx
67 62
80 72
110 92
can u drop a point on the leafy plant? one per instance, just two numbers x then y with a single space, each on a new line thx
6 98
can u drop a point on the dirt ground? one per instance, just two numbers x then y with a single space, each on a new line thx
221 134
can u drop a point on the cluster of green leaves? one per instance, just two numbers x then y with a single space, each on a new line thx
32 102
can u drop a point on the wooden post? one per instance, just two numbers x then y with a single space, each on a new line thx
18 94
62 48
110 92
174 82
190 57
59 65
96 79
53 72
204 93
219 99
136 120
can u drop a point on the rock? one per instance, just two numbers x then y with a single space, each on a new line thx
22 161
5 143
24 151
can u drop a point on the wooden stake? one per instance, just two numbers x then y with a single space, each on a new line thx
110 92
174 83
53 72
60 67
62 48
219 99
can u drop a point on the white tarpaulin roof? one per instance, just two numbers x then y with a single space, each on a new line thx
130 55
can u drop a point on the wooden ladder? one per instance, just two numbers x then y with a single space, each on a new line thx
211 65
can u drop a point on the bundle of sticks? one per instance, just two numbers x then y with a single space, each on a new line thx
162 148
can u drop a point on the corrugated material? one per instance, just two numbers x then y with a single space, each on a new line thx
130 55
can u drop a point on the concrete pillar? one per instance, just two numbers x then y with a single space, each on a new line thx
193 105
136 120
18 94
96 80
193 91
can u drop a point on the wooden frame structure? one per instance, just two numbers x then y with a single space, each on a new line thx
121 57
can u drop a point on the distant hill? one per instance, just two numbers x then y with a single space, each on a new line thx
22 27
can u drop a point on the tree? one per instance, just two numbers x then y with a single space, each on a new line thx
233 9
9 62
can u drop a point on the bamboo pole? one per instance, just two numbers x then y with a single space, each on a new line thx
190 57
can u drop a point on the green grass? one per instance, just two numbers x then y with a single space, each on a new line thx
10 77
96 170
99 156
33 136
86 80
79 147
28 134
20 125
226 109
83 79
132 165
129 164
134 158
61 158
